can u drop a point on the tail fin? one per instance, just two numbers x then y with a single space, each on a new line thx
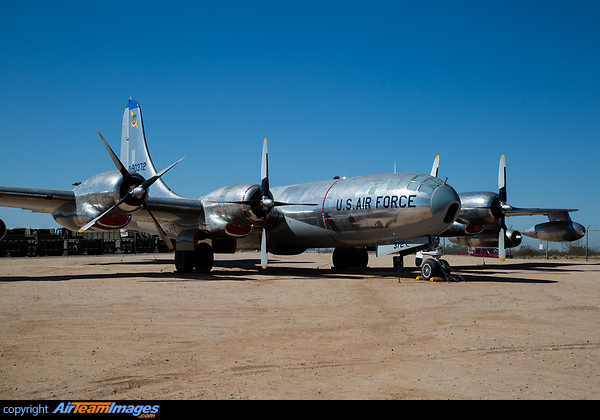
134 151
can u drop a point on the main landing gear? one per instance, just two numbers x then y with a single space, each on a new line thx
344 258
201 259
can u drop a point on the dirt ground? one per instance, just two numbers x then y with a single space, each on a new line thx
129 327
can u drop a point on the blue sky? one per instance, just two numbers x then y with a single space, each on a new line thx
337 87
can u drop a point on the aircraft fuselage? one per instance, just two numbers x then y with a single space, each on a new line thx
352 212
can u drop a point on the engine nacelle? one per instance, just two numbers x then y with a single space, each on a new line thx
2 229
98 194
557 231
512 239
461 229
479 208
227 203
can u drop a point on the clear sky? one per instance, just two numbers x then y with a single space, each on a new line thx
337 87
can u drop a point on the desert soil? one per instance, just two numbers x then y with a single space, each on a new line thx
129 327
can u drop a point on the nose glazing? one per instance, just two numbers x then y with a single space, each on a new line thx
445 201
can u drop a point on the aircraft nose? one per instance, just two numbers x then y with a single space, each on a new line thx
445 201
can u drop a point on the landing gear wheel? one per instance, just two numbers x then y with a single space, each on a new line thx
204 258
430 268
340 259
344 258
184 261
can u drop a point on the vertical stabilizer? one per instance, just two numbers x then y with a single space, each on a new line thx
134 150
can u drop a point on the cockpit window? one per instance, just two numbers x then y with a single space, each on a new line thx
431 183
426 189
413 186
402 185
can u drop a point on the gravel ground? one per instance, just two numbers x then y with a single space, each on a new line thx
129 327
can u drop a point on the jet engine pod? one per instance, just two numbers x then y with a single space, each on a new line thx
2 229
489 239
557 231
513 238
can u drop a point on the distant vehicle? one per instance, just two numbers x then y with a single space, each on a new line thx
483 252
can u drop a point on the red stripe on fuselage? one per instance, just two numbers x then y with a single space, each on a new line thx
323 212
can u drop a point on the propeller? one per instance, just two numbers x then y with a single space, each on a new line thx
503 208
267 203
264 203
139 192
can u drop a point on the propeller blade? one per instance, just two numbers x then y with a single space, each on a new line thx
146 184
436 166
95 219
263 250
501 247
163 234
264 171
116 160
256 202
502 198
279 204
502 180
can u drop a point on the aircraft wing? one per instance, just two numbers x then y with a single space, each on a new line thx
553 214
35 199
172 209
49 201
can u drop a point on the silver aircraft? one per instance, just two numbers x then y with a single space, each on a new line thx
389 213
481 221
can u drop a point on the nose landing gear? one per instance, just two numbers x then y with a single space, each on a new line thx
435 268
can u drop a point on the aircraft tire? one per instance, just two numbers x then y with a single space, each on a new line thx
340 259
184 261
344 258
204 258
430 268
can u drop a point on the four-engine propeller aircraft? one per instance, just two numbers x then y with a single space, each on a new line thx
388 212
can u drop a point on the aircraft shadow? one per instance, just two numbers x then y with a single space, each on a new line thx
250 270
